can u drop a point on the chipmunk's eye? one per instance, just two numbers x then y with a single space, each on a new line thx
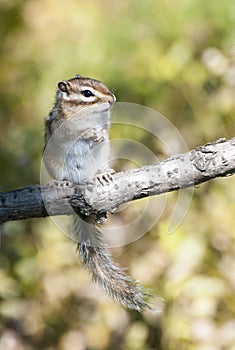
87 93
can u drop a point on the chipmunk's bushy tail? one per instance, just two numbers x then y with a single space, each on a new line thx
109 276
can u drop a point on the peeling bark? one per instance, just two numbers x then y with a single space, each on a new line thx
202 164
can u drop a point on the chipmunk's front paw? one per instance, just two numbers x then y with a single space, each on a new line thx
105 176
60 184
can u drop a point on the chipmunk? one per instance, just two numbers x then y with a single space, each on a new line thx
77 130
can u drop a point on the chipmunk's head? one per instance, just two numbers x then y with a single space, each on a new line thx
85 92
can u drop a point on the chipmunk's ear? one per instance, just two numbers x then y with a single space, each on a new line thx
77 76
63 87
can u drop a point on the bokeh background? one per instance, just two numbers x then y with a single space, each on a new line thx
177 57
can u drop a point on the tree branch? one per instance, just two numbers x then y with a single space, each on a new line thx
204 163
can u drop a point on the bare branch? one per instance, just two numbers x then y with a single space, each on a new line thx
204 163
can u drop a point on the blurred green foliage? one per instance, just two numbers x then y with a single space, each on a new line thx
177 57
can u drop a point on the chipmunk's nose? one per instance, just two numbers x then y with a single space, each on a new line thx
111 98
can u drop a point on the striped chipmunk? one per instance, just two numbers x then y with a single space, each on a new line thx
77 130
